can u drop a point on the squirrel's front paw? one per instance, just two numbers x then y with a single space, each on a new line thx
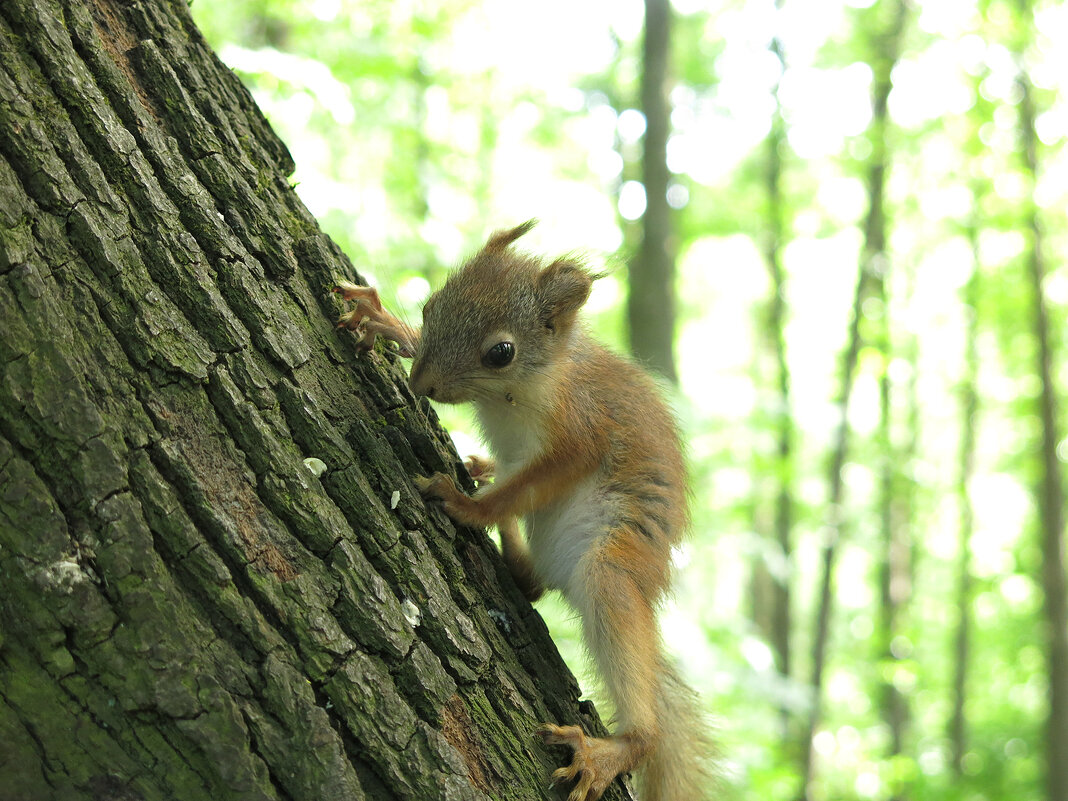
442 488
350 291
438 486
369 319
367 304
456 505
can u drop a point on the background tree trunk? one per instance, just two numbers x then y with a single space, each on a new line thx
889 20
969 416
896 519
188 611
772 566
651 285
776 334
1050 491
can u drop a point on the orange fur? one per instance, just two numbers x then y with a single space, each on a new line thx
517 557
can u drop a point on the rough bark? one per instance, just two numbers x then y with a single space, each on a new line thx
1050 491
188 611
651 284
873 262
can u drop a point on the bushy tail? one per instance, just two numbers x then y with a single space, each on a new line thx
682 766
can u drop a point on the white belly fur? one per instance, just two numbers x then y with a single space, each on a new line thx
563 532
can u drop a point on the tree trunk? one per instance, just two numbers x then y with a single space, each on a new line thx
969 414
776 236
651 289
1051 488
895 513
189 612
873 261
831 535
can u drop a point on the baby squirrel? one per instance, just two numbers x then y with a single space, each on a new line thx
588 455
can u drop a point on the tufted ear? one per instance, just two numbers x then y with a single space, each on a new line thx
563 288
499 240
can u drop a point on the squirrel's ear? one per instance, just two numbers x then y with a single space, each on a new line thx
563 288
499 240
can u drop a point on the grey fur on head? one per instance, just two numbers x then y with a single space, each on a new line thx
502 295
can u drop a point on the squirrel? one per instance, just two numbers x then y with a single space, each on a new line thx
588 455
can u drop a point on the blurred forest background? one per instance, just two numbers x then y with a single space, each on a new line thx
839 232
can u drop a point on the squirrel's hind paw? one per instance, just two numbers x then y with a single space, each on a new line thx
596 762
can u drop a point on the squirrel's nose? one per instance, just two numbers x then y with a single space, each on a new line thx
419 381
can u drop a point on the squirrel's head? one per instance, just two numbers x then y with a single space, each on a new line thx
499 323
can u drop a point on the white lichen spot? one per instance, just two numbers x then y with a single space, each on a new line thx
501 619
316 466
62 576
394 499
411 612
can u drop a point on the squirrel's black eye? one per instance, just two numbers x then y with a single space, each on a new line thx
500 355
